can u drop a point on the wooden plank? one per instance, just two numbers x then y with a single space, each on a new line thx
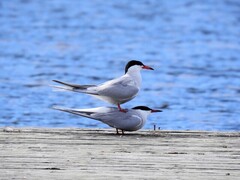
42 153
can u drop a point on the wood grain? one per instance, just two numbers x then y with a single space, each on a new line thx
42 153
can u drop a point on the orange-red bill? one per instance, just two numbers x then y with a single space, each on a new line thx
156 110
147 67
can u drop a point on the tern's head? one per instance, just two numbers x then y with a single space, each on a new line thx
135 65
147 109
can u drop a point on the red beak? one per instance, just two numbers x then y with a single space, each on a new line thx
155 110
147 67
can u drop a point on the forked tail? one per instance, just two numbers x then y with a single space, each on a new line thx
73 111
75 87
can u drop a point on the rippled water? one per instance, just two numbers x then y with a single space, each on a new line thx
194 47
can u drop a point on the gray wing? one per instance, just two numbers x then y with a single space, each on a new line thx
116 119
76 87
111 116
121 88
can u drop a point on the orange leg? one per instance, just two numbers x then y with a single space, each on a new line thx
120 109
118 132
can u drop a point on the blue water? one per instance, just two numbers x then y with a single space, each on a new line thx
194 47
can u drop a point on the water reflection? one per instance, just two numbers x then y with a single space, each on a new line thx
192 45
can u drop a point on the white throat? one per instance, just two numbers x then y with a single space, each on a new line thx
144 115
134 72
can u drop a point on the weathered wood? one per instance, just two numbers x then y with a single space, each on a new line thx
101 154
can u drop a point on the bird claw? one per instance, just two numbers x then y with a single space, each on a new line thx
118 132
123 110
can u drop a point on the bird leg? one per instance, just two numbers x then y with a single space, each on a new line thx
118 131
120 109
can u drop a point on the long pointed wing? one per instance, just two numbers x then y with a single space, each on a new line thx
76 87
89 113
120 88
110 116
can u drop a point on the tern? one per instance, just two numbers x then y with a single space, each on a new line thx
132 120
116 91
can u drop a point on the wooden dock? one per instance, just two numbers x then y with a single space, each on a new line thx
42 153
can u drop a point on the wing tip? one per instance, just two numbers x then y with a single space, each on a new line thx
56 107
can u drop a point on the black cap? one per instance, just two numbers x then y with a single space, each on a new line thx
145 108
132 63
